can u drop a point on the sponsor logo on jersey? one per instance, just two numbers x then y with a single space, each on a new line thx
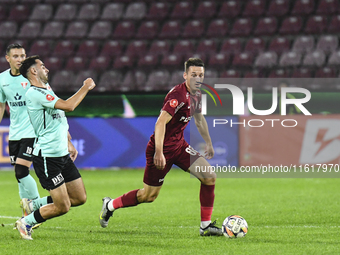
321 141
161 180
17 97
58 115
20 103
24 84
49 97
173 103
58 179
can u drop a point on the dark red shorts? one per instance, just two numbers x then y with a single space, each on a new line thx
182 157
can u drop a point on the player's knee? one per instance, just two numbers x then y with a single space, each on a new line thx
209 180
63 208
80 200
21 171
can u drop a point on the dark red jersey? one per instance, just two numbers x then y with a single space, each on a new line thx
181 105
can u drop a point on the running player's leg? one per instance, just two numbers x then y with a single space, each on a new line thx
76 192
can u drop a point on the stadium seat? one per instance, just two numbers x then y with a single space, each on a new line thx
66 12
8 29
100 63
19 13
182 10
334 59
147 30
41 12
316 25
112 48
201 56
291 25
326 72
124 30
290 58
159 47
80 77
254 8
148 62
232 45
182 47
76 30
112 11
88 48
255 45
176 77
53 30
193 29
170 30
207 46
123 62
135 11
172 61
157 81
109 81
242 27
243 59
29 30
327 7
40 47
217 28
89 12
53 64
334 25
278 8
314 58
302 73
133 80
76 63
3 13
64 48
3 64
219 61
231 73
303 44
266 60
279 74
266 26
62 79
136 48
279 44
303 7
157 11
100 30
205 10
229 9
327 43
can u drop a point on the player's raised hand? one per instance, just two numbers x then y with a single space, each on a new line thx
159 160
89 83
209 152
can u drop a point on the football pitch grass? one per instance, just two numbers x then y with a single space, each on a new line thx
285 216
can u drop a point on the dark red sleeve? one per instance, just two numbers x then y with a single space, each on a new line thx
173 102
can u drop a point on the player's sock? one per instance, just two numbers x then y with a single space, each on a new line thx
37 203
34 218
126 200
30 186
207 197
22 191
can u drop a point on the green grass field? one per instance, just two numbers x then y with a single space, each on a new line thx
285 216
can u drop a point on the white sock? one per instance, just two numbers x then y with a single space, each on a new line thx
110 205
205 224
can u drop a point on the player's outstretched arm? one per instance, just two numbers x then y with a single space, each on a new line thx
159 159
202 127
70 104
2 110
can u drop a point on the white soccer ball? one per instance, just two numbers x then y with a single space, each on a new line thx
234 226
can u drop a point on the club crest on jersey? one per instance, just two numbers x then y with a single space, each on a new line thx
173 103
49 97
24 84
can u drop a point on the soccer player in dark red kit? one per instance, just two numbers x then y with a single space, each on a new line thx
167 147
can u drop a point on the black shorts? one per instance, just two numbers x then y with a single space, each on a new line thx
53 172
21 149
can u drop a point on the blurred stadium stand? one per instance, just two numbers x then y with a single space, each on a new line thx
148 39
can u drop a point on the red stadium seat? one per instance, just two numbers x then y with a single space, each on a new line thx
29 30
62 79
66 12
158 11
254 8
242 27
136 48
100 63
316 25
64 48
170 30
76 30
112 48
110 81
176 77
279 44
303 44
148 62
205 10
279 74
231 73
53 64
80 77
243 59
157 81
326 72
314 58
327 7
89 12
182 47
88 48
302 73
182 10
334 25
303 7
8 29
53 30
100 30
278 8
232 45
266 26
217 28
19 13
147 30
172 61
3 64
159 47
135 11
255 45
134 80
290 59
112 11
123 62
266 59
334 59
291 25
76 63
193 29
327 43
41 12
219 61
207 47
3 13
230 9
124 30
40 47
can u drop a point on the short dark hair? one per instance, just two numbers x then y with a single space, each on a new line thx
192 62
13 46
27 63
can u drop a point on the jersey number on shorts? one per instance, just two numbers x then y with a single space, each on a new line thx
29 150
191 151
